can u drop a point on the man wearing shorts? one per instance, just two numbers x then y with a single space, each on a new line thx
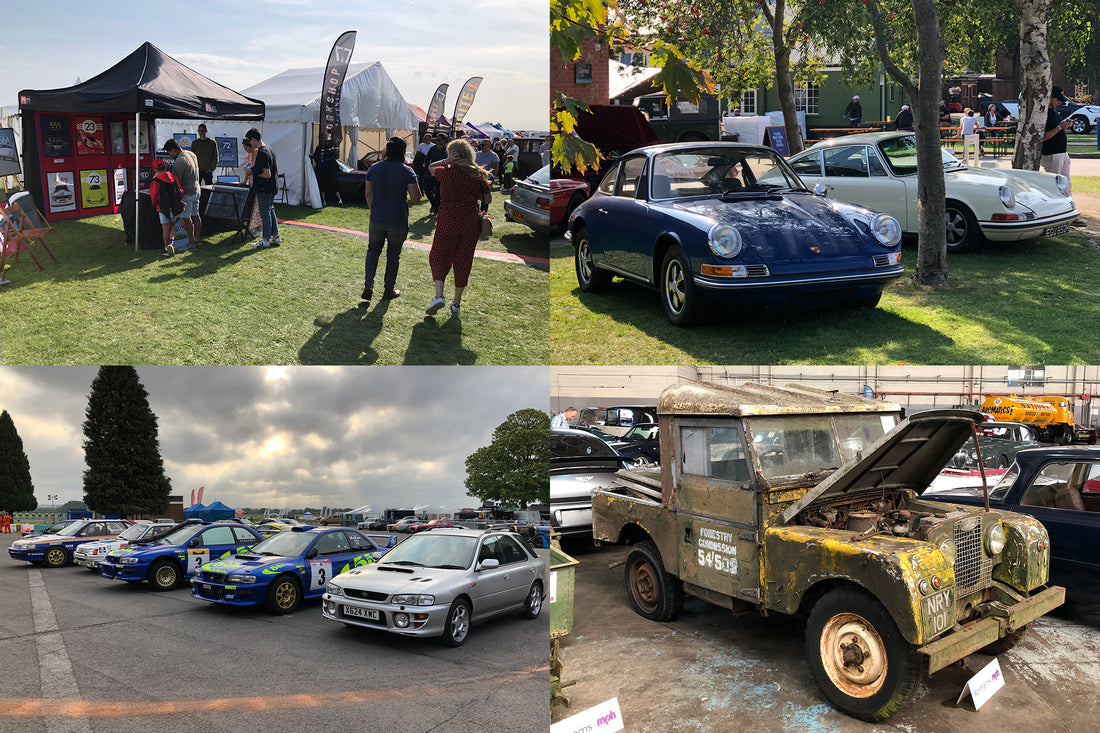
186 169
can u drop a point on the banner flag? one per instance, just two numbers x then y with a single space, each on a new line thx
465 99
200 493
192 498
335 70
435 109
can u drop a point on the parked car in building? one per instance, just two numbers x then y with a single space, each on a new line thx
56 550
1059 486
89 554
727 222
544 203
284 569
170 559
1084 434
440 583
640 445
579 463
879 170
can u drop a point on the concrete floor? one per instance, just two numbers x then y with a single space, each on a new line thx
710 671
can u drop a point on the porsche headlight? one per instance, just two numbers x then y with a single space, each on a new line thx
886 230
724 240
241 579
1007 197
995 539
1062 183
413 599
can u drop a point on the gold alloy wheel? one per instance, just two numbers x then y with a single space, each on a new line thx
56 556
166 576
644 586
286 595
853 655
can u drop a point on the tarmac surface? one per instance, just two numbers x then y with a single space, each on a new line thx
713 671
83 654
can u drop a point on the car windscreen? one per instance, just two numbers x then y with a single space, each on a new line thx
134 531
182 534
284 544
710 171
70 530
901 155
433 551
797 445
541 176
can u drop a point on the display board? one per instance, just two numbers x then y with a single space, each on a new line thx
9 154
226 202
183 139
776 137
227 152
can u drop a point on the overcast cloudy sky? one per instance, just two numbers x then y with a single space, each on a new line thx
238 43
294 436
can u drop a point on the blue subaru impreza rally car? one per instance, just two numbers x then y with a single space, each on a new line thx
285 568
171 558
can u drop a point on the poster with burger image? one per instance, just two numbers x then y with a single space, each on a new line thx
93 189
89 135
62 185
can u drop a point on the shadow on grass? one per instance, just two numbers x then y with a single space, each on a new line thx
202 262
438 340
347 338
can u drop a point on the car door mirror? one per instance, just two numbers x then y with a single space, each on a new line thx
489 563
820 189
194 542
311 554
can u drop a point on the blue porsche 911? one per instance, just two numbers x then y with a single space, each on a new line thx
729 222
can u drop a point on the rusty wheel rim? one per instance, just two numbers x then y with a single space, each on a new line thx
853 655
644 587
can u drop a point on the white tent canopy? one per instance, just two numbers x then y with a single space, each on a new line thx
369 99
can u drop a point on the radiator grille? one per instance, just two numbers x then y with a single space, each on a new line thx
882 260
972 569
756 271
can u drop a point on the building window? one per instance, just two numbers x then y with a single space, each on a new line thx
748 102
1026 376
626 58
806 98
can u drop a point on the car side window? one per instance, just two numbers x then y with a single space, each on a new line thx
509 552
243 535
94 529
1058 486
217 536
632 178
116 527
332 543
359 542
846 161
808 166
874 165
714 452
607 185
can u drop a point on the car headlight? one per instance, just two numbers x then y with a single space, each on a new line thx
1007 197
886 230
1062 183
128 560
334 590
241 579
949 548
724 240
995 539
20 545
413 599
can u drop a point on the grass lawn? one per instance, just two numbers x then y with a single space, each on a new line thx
102 303
1023 303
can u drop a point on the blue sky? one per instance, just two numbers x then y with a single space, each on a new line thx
421 43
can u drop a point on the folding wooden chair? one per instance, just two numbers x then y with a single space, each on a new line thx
23 226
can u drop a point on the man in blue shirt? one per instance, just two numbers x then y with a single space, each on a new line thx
389 185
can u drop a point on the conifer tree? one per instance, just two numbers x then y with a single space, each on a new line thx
16 489
125 473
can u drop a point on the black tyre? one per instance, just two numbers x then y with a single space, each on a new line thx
533 605
1080 125
654 593
590 278
574 202
868 301
283 595
640 460
457 628
56 557
165 575
679 296
962 228
1005 643
858 657
1002 461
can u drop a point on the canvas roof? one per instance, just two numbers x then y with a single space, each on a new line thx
151 82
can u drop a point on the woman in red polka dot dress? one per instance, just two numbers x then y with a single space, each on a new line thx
462 185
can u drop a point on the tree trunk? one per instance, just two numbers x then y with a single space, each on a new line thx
782 52
931 191
1035 76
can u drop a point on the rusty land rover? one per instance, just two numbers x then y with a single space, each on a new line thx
796 500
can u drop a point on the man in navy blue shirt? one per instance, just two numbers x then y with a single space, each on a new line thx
389 185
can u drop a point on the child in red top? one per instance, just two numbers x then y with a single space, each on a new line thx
162 177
